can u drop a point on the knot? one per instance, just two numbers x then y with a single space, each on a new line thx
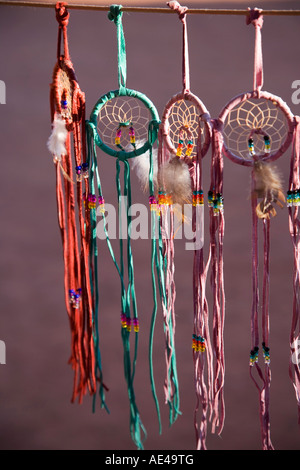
179 9
62 14
115 13
255 17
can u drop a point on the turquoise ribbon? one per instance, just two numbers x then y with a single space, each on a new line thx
115 15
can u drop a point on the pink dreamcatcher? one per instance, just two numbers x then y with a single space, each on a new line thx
184 139
256 128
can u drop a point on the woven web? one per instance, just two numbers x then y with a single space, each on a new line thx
64 85
184 113
120 110
252 115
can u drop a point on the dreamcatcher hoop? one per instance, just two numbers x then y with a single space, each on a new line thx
93 122
235 104
201 116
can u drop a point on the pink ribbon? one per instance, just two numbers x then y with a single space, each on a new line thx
255 18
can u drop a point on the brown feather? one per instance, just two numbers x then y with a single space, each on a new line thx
268 187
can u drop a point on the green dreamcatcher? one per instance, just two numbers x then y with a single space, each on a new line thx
124 124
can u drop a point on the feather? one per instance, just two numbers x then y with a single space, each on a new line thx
268 187
57 141
141 166
174 177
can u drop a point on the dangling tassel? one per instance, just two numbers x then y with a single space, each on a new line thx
217 222
166 261
293 202
201 343
268 187
264 389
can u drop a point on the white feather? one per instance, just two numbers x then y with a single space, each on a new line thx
57 141
141 166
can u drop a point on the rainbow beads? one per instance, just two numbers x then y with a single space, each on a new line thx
293 198
253 356
251 147
179 148
198 198
154 206
127 323
75 297
198 344
164 199
92 201
189 148
118 137
132 135
101 202
266 353
136 326
216 202
267 144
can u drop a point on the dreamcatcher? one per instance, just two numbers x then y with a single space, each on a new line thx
258 128
293 202
67 141
123 124
184 139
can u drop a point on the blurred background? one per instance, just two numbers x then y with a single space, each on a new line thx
36 382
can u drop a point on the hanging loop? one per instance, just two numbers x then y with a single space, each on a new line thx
115 15
255 18
182 11
62 16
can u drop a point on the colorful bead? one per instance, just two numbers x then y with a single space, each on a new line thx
92 201
210 198
179 148
293 198
118 137
254 356
85 170
198 343
136 326
128 324
75 297
216 202
266 353
198 198
154 206
251 147
123 320
101 202
132 135
189 148
164 199
267 144
78 173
